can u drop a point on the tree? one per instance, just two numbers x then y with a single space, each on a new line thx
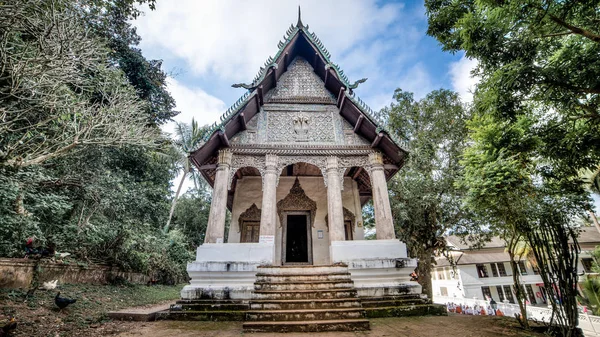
534 57
57 91
535 125
82 162
188 138
424 200
111 21
515 191
591 180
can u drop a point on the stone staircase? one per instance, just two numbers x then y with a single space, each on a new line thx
206 310
305 299
401 306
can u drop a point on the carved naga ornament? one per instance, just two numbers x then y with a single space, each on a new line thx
301 127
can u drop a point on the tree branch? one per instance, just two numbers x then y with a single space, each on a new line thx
576 30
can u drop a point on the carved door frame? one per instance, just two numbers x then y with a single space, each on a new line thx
308 237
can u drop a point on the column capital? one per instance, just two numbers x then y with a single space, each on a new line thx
332 163
375 158
225 157
271 161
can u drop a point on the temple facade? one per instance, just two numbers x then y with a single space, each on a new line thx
295 160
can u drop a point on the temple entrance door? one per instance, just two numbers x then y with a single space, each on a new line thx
297 240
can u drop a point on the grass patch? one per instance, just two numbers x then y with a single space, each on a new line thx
93 304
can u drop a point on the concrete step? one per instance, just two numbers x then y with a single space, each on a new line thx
407 310
304 294
144 314
214 307
305 304
305 315
208 301
308 326
192 315
393 303
302 277
301 270
303 285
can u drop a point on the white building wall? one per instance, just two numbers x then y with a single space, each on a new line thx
468 284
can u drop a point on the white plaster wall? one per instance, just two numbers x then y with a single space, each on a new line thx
249 191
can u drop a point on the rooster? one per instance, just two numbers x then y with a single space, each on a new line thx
50 285
62 302
9 327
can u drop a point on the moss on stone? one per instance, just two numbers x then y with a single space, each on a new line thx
409 310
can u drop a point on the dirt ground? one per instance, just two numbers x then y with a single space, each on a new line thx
433 326
39 316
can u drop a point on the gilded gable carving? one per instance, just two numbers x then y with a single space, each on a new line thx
297 200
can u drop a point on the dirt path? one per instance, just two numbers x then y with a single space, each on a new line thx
454 325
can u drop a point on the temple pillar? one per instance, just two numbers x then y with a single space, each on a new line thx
334 201
268 217
384 223
215 229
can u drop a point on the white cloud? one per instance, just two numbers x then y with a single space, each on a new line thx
231 39
417 81
462 81
193 103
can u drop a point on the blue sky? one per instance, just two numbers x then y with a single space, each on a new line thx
208 45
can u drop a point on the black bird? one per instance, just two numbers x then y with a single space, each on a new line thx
62 302
8 328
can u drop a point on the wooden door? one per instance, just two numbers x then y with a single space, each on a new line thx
250 231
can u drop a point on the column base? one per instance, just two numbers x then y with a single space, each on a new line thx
225 271
378 267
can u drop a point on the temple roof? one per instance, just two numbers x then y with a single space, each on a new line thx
300 42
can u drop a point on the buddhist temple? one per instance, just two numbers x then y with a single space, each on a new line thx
294 160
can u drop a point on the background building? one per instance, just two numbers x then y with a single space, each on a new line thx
486 273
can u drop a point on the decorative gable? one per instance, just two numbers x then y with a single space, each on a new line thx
300 84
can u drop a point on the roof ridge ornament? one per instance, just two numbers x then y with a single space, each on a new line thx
299 24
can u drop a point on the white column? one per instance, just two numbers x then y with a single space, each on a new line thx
334 201
384 223
268 216
215 229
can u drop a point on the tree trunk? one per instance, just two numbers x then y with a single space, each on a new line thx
424 267
175 201
518 288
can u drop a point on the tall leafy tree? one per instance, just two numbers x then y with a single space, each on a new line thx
536 123
425 201
534 57
523 201
111 21
80 149
188 139
57 88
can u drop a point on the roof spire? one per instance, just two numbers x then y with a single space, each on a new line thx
299 24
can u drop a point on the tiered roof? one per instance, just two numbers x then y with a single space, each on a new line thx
299 41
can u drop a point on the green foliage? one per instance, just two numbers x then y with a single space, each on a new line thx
368 215
425 201
535 126
191 217
591 291
82 163
535 58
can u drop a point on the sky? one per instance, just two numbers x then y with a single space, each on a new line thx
208 45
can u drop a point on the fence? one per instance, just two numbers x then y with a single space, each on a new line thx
590 324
